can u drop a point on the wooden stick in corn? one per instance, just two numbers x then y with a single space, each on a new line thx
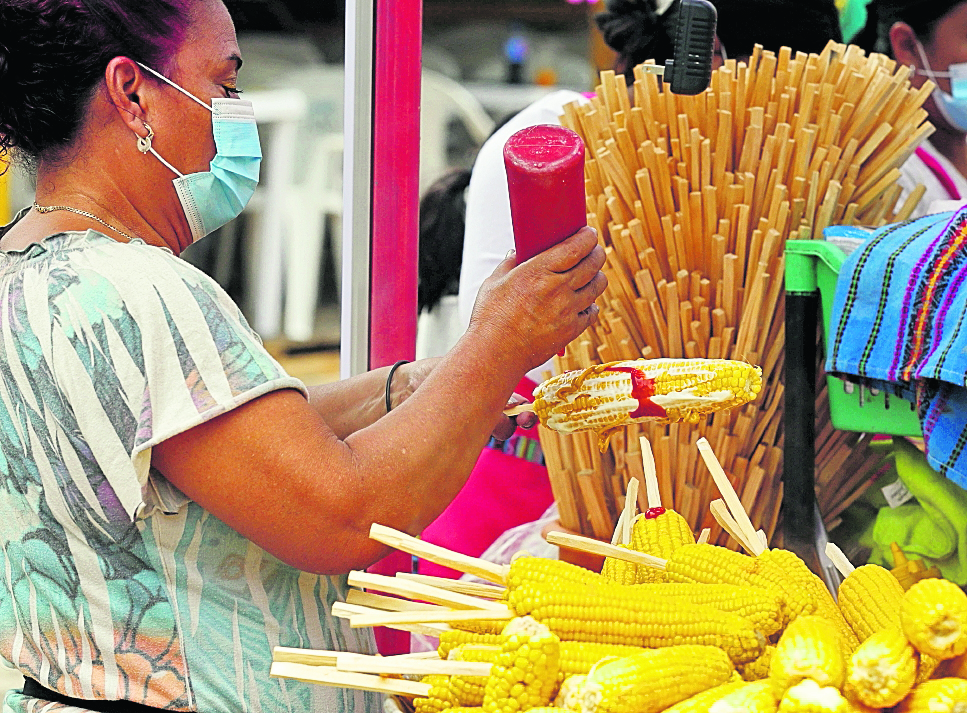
749 537
343 610
328 676
651 473
418 590
439 555
596 547
461 586
839 559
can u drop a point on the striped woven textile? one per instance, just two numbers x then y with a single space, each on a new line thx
898 322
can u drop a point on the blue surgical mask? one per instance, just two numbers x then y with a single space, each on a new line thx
212 198
953 106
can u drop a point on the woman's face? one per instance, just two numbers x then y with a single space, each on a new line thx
206 66
948 45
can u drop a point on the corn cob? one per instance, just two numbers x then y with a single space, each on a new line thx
939 695
489 626
469 690
579 657
651 681
613 614
622 571
883 669
439 698
758 669
525 673
569 693
449 640
777 570
754 697
606 397
764 608
809 697
870 600
809 648
700 702
659 532
934 618
542 570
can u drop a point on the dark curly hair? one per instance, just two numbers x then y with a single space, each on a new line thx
922 16
53 54
442 221
635 30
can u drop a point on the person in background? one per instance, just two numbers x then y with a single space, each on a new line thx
931 37
174 504
803 25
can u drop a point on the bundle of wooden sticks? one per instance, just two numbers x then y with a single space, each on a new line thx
693 199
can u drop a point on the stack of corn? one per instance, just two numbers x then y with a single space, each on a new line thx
693 198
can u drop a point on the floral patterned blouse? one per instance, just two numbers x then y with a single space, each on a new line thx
113 584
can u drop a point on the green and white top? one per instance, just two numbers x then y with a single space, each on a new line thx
113 584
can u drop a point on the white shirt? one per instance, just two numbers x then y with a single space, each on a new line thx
489 232
936 199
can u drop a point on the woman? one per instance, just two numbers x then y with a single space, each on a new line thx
931 37
172 500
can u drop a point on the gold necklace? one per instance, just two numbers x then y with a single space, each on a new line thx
51 208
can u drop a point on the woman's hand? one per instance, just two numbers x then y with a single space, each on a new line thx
535 309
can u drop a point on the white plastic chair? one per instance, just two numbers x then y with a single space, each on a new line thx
443 100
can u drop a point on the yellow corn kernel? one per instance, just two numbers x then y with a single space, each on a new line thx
758 669
621 571
934 618
809 697
653 680
938 695
525 673
469 690
754 697
569 694
543 569
660 532
439 698
449 640
605 397
870 600
617 614
765 608
883 669
579 657
700 702
809 648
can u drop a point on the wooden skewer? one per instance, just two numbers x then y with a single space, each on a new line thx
420 591
651 473
728 492
371 600
519 409
347 611
319 657
394 665
473 589
359 681
630 509
703 536
597 547
443 616
439 555
839 559
720 512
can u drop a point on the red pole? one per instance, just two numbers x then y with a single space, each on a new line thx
395 217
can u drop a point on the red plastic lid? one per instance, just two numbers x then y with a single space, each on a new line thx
543 147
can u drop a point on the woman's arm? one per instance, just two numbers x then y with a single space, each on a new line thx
276 471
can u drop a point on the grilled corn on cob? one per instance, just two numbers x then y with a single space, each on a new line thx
934 618
651 681
939 695
809 697
525 673
606 397
883 669
659 532
809 648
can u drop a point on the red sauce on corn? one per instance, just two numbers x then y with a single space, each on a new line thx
642 389
653 513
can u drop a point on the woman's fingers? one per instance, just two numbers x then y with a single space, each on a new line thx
567 254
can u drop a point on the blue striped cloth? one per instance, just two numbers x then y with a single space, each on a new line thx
898 323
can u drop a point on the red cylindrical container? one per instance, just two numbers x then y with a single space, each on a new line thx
545 176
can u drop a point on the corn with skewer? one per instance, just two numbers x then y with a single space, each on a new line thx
606 397
651 681
525 673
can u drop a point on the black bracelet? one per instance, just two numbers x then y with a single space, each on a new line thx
389 382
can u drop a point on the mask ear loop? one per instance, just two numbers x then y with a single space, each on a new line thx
144 146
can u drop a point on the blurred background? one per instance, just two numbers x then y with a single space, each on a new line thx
482 62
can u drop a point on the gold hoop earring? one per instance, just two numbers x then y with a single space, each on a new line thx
144 142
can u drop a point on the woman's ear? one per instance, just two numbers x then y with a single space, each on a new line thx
128 92
905 45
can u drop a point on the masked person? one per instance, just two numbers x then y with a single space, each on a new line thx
173 503
931 37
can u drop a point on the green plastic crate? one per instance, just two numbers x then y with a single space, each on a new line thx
813 266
